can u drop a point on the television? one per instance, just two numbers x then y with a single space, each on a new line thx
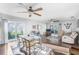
48 30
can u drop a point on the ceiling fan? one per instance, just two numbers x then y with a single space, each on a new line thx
30 10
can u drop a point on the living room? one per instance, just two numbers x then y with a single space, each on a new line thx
39 29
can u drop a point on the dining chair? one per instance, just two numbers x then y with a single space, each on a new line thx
22 46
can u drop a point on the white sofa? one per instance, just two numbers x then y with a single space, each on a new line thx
54 39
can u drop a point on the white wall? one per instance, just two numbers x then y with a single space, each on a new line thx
29 25
73 26
2 32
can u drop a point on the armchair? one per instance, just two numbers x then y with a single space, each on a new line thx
69 39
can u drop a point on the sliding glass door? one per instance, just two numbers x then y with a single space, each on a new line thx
15 29
11 31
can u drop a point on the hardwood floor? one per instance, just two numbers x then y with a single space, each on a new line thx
5 49
2 49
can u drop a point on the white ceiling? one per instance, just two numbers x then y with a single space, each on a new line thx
50 10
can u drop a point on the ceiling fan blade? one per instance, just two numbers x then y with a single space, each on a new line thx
38 9
22 5
37 14
21 12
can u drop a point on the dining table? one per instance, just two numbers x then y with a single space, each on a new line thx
29 40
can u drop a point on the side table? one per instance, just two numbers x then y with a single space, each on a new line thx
74 50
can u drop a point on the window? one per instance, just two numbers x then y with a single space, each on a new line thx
15 29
